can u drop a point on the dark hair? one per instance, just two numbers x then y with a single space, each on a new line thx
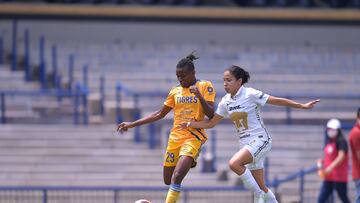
238 73
358 113
188 61
340 136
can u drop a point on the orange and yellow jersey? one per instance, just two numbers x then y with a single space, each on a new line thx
187 107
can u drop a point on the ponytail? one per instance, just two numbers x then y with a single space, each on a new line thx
188 61
238 73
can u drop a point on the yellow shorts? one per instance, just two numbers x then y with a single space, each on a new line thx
190 147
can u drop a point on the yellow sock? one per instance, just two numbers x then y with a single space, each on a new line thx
173 193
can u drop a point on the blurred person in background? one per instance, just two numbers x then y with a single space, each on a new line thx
191 99
354 139
242 105
333 168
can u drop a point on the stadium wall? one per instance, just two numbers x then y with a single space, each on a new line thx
161 32
183 24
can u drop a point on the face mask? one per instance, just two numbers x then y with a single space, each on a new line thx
332 133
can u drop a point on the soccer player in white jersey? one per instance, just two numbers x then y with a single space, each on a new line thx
242 105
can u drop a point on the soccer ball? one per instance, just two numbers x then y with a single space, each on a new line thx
142 201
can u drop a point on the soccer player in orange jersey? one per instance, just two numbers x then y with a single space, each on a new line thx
193 99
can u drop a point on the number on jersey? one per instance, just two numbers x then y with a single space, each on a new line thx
240 120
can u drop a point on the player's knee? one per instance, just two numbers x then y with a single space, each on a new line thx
233 164
177 177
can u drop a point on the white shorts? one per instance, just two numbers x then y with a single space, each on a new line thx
259 146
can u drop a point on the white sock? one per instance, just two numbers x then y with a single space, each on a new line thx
270 197
258 197
249 182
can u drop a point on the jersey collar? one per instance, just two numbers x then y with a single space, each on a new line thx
237 93
194 83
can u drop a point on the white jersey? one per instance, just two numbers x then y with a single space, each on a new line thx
244 110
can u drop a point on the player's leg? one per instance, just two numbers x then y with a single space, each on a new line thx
167 174
237 164
325 191
170 160
357 186
189 152
263 147
258 175
268 195
341 189
182 168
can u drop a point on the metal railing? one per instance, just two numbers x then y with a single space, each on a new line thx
296 175
48 194
126 194
79 95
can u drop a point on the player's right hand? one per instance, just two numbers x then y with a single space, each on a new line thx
183 126
310 104
123 127
321 174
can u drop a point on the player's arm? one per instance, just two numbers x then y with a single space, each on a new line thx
208 106
157 115
279 101
209 123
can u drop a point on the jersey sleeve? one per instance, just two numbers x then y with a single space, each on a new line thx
258 96
209 92
170 99
221 108
342 145
354 141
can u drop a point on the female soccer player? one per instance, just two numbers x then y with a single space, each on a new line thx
242 105
191 100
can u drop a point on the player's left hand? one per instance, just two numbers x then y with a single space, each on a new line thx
310 104
123 127
327 171
195 90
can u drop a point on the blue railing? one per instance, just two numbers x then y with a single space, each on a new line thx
77 91
1 50
79 94
14 46
136 115
27 66
300 174
117 192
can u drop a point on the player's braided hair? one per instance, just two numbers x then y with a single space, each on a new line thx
188 61
239 73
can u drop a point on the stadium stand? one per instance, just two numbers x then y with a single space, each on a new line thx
63 155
